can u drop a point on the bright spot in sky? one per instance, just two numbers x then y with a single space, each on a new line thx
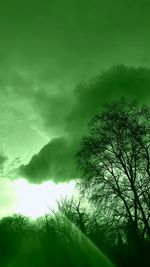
36 200
7 197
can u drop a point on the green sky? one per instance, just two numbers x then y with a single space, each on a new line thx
58 65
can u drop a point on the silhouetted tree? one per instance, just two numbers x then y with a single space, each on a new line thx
114 161
75 211
14 223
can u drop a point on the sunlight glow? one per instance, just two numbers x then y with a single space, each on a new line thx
36 200
7 197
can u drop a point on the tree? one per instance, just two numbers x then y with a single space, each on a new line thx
114 161
75 211
15 223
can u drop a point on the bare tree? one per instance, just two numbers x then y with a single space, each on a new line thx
75 211
114 161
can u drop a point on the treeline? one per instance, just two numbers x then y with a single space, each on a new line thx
53 240
62 238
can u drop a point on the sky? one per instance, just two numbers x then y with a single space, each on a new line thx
59 62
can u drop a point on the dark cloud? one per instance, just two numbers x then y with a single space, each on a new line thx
55 160
130 82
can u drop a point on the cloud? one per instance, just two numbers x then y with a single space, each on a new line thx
3 159
109 85
47 49
56 159
53 161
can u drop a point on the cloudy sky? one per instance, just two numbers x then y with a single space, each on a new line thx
59 62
